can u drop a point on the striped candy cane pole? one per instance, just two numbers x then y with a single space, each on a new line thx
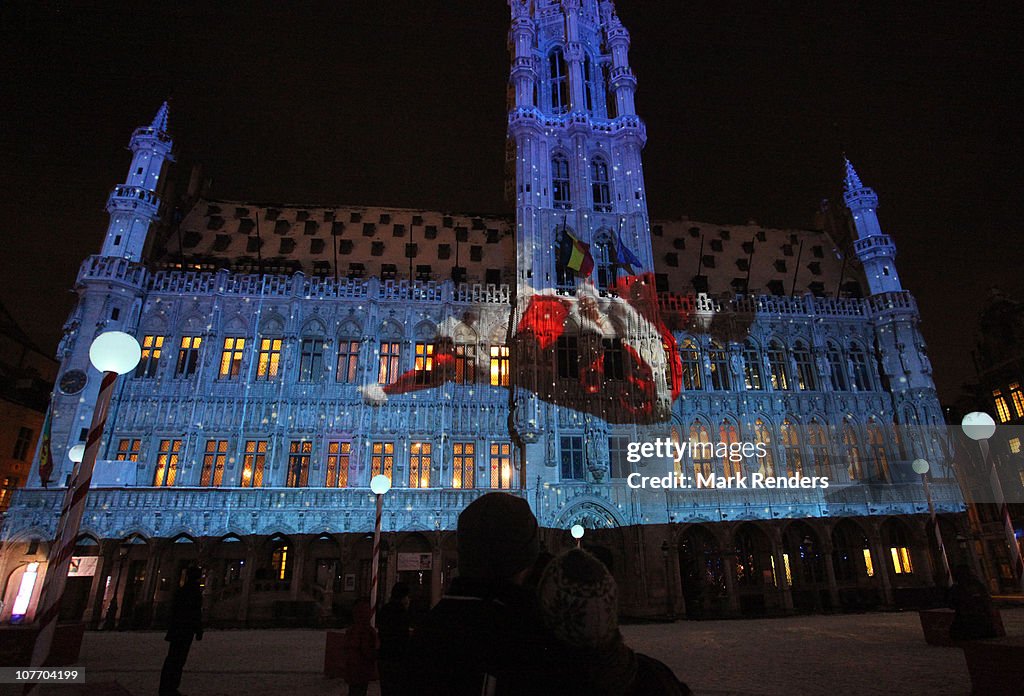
70 522
376 557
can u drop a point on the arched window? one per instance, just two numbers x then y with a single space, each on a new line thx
763 436
817 441
559 82
600 185
791 443
691 365
604 261
752 366
876 446
837 368
702 450
719 358
777 365
859 362
561 191
805 374
851 447
732 459
677 464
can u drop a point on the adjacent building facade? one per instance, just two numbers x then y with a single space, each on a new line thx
289 353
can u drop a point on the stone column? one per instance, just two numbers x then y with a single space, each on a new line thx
785 594
882 564
107 565
435 570
248 573
298 567
830 576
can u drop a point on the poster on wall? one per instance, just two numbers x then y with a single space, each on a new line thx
82 566
415 561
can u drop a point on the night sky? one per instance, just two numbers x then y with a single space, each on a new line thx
748 108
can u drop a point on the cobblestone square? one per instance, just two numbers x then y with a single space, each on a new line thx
880 653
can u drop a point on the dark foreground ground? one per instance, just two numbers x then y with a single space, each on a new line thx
881 653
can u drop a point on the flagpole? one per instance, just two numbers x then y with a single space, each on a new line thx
796 271
750 265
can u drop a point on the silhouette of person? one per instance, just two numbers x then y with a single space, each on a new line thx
360 644
186 623
393 626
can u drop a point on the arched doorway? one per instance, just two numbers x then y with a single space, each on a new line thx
804 567
81 571
756 575
855 567
414 565
702 573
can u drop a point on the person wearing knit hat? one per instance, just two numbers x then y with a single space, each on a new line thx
486 636
579 605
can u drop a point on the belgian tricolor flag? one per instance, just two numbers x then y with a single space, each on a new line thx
574 254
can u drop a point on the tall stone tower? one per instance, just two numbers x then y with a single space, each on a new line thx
575 138
874 248
903 360
136 204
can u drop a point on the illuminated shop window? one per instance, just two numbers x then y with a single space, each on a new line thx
869 565
382 459
167 462
423 361
214 459
419 464
854 466
763 435
465 363
463 464
499 366
1002 409
728 436
339 453
390 357
279 561
701 450
1014 444
253 462
788 569
152 347
25 589
901 560
501 465
231 357
1017 399
299 454
188 356
269 361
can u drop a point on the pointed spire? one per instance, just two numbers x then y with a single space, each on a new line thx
853 182
160 120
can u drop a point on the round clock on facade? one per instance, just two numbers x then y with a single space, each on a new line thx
73 381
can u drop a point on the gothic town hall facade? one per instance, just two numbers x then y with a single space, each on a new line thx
290 353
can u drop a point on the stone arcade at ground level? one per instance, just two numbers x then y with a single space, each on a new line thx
696 570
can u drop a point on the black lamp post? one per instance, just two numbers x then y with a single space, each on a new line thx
111 620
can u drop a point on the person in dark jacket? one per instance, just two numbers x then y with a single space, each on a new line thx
360 651
485 636
579 605
186 623
393 627
973 604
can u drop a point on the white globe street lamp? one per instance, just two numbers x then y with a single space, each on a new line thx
113 353
379 484
577 532
920 466
978 425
